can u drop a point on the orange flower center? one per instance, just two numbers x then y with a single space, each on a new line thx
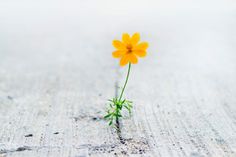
129 48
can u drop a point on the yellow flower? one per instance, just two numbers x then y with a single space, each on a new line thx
129 49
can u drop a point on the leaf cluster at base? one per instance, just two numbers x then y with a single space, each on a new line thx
115 108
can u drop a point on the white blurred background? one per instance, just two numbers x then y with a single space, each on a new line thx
201 30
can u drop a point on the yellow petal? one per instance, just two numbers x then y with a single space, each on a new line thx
126 38
135 38
140 53
118 44
132 58
124 60
141 46
118 53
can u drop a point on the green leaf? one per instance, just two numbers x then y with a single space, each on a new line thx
123 101
110 105
127 107
108 115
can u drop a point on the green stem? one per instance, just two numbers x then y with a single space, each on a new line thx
118 107
127 77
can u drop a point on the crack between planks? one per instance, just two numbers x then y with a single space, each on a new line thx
118 123
19 149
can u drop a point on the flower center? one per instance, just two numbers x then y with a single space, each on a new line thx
129 48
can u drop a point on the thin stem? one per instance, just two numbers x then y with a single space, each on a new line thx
127 77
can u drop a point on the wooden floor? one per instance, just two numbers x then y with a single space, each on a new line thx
56 74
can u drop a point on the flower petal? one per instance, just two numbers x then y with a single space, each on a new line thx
126 38
118 53
141 46
135 38
124 60
118 44
132 58
140 53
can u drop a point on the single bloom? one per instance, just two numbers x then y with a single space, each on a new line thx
129 49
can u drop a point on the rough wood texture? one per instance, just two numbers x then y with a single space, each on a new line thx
56 73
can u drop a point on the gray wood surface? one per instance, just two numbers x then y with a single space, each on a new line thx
56 74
